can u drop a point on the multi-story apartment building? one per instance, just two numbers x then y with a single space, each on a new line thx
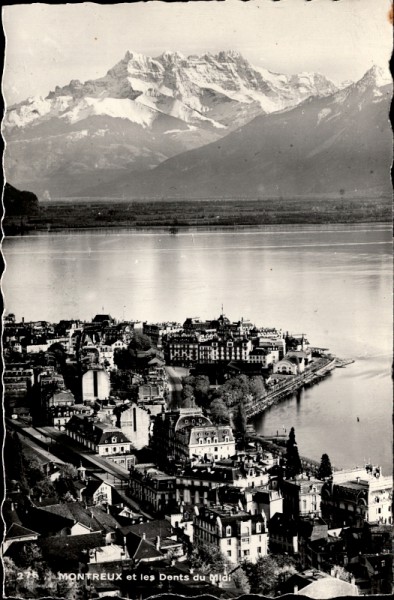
239 535
212 442
254 499
302 496
152 488
218 350
59 416
156 331
18 380
187 434
358 495
206 483
263 356
183 349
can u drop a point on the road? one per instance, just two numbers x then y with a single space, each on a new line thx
175 375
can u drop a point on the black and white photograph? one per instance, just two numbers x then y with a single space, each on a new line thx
197 330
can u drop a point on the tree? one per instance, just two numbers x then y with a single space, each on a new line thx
262 575
268 572
201 389
13 460
219 411
188 395
293 461
140 341
17 202
208 559
68 471
257 387
240 419
123 359
58 352
240 580
325 469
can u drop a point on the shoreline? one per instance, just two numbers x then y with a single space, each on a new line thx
174 216
182 229
286 389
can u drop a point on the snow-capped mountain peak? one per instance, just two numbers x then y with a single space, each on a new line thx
145 110
375 76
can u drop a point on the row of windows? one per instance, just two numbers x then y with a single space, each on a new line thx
209 441
122 449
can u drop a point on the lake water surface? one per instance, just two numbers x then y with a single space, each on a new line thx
333 283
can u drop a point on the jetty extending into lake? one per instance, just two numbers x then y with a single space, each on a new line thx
286 387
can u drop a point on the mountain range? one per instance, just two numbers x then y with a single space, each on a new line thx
200 126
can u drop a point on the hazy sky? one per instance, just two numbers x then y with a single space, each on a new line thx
48 45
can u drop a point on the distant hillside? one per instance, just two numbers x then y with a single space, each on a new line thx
339 145
17 203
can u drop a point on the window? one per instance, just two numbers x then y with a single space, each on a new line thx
258 527
228 530
246 552
259 550
208 440
228 542
200 441
226 438
114 440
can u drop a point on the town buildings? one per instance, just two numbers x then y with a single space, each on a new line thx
359 495
238 534
165 480
187 433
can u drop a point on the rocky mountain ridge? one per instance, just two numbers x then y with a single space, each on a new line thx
338 145
142 112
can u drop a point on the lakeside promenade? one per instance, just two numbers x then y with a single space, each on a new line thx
318 370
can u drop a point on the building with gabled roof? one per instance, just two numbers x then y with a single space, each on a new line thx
239 535
96 491
102 438
140 549
17 533
69 553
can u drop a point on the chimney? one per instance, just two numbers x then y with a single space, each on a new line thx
158 543
144 536
295 589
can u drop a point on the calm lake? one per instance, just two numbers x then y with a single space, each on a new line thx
333 283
